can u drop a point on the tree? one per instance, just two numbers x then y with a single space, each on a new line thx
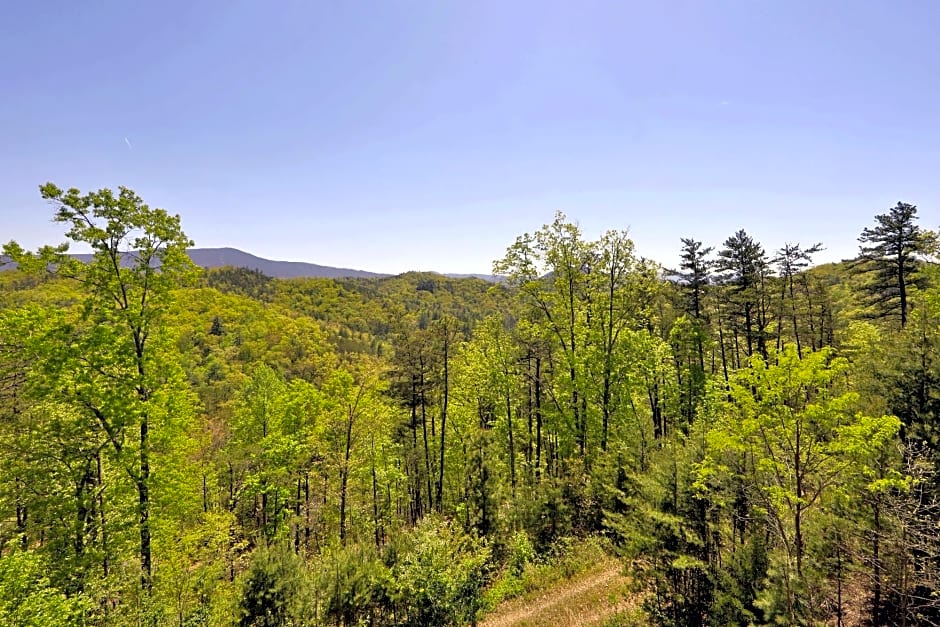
111 366
695 278
889 251
261 448
28 599
619 299
745 266
793 423
354 408
550 269
791 260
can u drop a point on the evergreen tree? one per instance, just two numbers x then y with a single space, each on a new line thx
889 252
791 260
744 264
695 278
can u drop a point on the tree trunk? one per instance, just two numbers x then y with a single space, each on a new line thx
538 419
375 499
344 479
143 507
306 511
102 521
902 290
512 447
876 563
427 450
415 489
530 443
297 505
440 477
721 343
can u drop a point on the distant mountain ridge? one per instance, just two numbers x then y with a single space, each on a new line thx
218 257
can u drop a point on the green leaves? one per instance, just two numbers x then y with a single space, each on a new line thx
28 600
787 442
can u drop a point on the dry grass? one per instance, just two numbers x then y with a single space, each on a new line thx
588 599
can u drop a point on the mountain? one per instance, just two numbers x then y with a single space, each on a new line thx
215 257
489 278
218 257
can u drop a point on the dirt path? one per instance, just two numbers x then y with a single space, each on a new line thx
585 600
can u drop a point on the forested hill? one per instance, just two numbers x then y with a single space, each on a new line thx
756 441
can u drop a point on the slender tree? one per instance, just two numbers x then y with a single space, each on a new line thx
790 261
139 258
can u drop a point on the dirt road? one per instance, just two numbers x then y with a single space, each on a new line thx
586 600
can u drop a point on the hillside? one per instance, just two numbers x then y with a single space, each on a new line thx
424 450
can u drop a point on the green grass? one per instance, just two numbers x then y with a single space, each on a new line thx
569 557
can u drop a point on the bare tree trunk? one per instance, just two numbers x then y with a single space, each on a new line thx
143 507
427 450
375 499
538 419
344 479
102 521
512 447
440 477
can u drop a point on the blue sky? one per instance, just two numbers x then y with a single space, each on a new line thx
392 136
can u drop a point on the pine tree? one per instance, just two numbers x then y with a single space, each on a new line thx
744 264
889 251
791 260
695 263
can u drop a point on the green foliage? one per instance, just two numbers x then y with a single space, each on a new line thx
242 281
527 573
27 599
276 590
440 575
417 449
357 586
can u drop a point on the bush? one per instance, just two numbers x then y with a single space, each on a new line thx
276 590
356 585
27 598
441 575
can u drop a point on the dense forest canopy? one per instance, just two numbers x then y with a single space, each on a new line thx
754 437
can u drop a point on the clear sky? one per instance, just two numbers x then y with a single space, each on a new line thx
391 136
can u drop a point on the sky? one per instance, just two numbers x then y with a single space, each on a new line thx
393 136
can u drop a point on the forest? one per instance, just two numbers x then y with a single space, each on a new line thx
754 437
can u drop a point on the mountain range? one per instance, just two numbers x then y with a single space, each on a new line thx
218 257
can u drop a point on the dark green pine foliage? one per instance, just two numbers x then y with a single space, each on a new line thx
217 328
744 267
242 281
694 277
695 267
791 260
275 590
889 253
